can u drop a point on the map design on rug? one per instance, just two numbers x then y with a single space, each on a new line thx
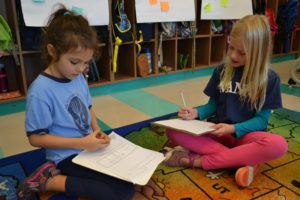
278 179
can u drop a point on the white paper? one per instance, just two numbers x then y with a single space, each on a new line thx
37 14
233 9
179 10
194 127
122 159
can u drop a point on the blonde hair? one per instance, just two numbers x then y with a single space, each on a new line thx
254 32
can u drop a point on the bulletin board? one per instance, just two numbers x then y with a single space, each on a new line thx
225 9
149 11
37 12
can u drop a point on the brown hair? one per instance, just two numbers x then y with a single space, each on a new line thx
66 31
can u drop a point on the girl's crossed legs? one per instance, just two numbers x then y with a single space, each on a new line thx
230 152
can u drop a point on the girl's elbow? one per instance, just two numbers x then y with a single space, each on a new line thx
264 124
34 140
33 143
264 127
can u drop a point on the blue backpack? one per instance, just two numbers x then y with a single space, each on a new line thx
122 26
286 19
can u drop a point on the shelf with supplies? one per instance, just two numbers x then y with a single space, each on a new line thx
206 48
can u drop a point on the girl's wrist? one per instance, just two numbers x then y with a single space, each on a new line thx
232 129
195 112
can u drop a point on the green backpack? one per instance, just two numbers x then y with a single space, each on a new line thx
6 39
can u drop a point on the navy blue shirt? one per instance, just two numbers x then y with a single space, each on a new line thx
230 108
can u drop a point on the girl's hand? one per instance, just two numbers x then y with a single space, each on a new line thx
223 129
96 140
188 113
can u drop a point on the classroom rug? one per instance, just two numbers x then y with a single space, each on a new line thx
278 179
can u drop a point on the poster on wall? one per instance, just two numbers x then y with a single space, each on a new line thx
149 11
37 12
225 9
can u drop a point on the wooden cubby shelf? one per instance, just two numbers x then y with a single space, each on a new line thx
217 48
202 51
208 47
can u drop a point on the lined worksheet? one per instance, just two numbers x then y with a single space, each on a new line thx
122 159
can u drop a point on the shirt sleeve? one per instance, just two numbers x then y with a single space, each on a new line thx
38 116
256 123
207 110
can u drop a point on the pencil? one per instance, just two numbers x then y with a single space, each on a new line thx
182 98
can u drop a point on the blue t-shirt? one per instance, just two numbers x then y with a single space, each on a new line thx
58 107
230 108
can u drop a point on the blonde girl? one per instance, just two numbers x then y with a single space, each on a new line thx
242 92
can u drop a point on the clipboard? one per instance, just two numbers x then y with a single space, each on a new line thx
194 127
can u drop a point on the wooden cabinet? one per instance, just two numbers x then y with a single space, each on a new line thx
208 47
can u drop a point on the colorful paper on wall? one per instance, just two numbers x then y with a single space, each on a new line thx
77 10
223 3
148 11
152 2
36 14
207 8
225 9
164 6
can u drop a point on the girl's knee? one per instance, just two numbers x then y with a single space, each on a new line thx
168 132
278 145
175 136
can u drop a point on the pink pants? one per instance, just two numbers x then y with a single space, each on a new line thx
230 152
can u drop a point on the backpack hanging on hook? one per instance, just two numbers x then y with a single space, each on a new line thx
122 29
121 24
